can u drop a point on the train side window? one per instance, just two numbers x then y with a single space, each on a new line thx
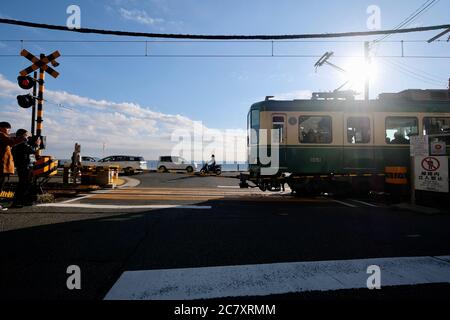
278 124
399 129
314 129
358 130
436 125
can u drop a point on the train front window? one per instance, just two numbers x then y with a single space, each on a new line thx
358 130
436 125
399 129
314 129
255 119
253 127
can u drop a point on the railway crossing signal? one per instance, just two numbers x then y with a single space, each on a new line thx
25 101
41 63
27 82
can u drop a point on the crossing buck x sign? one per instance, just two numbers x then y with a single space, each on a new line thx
41 63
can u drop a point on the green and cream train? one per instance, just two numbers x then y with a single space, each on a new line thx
335 145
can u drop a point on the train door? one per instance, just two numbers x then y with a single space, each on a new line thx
279 123
358 151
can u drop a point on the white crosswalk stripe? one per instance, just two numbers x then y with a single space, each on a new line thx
365 203
276 278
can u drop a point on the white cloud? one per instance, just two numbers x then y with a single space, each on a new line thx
125 127
139 16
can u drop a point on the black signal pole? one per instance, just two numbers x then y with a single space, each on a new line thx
33 110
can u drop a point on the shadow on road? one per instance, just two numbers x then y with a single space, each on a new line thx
34 260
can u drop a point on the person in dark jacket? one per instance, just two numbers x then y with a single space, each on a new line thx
21 154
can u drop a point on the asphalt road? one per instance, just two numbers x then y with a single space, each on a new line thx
172 221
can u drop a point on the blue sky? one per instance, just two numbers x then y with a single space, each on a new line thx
216 91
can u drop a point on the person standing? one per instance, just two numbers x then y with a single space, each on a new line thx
21 153
6 158
75 165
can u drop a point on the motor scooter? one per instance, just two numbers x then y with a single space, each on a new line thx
211 169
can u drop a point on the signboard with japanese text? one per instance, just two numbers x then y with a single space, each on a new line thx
431 173
419 146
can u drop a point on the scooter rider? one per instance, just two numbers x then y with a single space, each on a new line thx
210 165
212 162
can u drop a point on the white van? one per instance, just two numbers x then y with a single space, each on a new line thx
127 164
167 163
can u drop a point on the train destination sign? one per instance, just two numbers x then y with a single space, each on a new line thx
431 174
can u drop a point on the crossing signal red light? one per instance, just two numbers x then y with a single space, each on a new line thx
25 101
25 82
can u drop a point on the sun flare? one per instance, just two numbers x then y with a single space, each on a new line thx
357 72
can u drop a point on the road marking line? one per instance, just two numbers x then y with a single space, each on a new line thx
187 191
123 207
130 183
93 193
276 278
344 203
366 203
216 192
78 198
229 187
156 196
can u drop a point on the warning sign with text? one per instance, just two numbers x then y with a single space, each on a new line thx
431 174
418 146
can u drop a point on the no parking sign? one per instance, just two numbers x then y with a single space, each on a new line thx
431 174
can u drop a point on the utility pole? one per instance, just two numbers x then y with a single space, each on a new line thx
367 63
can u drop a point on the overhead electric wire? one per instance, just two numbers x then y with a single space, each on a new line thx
218 37
414 75
225 56
420 76
203 41
419 11
422 72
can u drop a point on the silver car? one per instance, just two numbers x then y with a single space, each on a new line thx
127 164
167 163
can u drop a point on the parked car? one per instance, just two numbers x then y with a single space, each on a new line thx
167 163
89 161
127 164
